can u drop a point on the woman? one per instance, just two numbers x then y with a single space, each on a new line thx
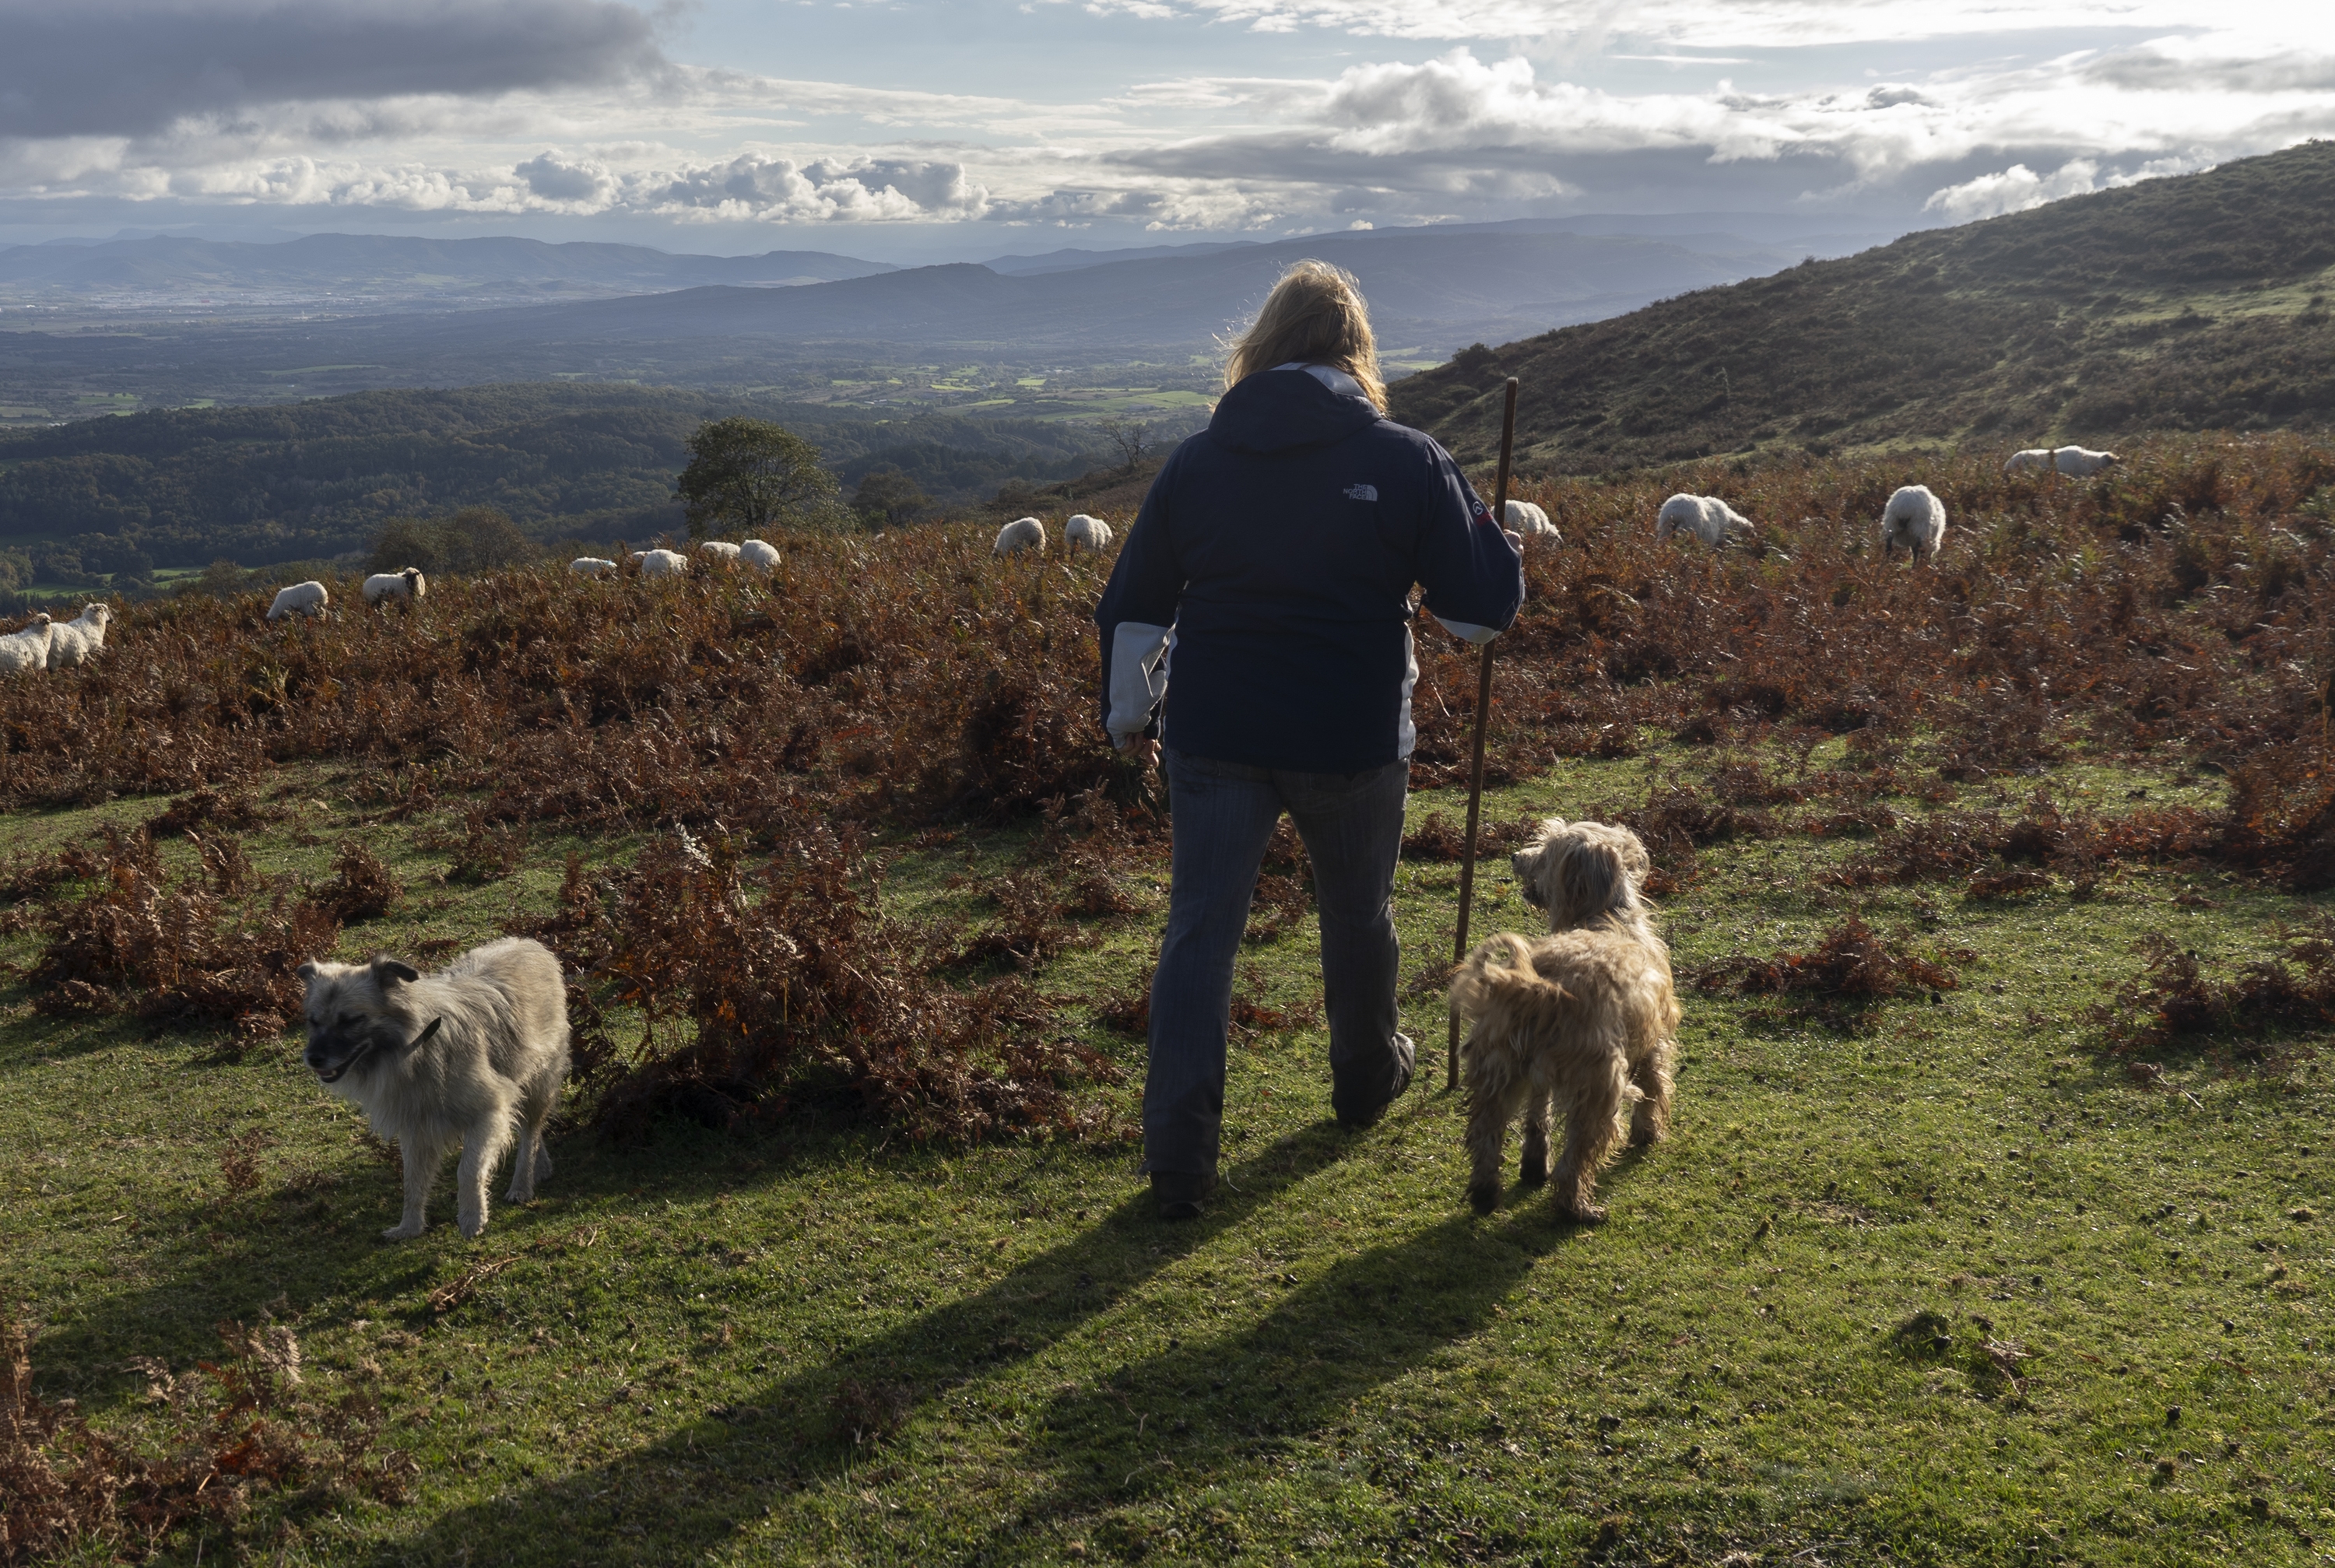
1275 557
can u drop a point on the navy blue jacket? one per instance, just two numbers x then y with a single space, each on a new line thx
1271 568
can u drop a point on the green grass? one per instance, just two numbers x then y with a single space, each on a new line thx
1339 1363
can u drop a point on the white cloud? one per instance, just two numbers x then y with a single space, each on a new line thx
827 190
2018 188
1705 25
1461 133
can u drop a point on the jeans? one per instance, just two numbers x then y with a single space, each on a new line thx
1224 814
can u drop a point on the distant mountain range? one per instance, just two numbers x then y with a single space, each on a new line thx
1431 288
384 269
1433 284
2196 302
151 320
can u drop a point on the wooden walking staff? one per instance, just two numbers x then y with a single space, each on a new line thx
1475 764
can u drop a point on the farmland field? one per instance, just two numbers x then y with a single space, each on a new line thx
1993 1228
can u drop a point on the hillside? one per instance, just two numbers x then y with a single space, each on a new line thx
302 480
2191 302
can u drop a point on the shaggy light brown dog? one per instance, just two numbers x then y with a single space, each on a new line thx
1582 1018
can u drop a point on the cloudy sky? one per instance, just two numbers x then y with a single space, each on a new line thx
910 129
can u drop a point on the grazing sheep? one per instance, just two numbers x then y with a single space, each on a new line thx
28 649
1531 522
2034 459
79 640
722 550
2081 462
1707 517
1021 534
591 567
408 583
1914 518
755 553
1090 533
308 598
661 563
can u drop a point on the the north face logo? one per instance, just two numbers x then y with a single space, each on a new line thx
1362 492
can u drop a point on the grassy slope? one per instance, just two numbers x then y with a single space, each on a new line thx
2189 302
1339 1363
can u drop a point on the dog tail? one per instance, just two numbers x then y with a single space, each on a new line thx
1482 982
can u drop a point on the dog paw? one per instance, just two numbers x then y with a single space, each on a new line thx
1483 1197
1534 1173
1583 1214
472 1228
401 1233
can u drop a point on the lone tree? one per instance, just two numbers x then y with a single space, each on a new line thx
750 476
474 540
888 496
1132 438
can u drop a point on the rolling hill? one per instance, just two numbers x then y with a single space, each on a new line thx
1426 285
2196 302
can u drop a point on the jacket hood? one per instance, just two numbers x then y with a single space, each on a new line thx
1277 410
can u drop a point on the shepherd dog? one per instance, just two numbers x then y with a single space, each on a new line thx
473 1055
1583 1019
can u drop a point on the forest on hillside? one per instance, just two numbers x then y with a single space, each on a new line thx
311 480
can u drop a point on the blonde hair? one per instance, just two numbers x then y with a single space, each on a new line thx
1314 316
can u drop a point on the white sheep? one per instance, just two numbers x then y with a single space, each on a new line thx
2034 459
80 639
756 553
1531 522
591 567
1085 532
1707 517
1021 534
661 563
408 583
308 598
1914 518
28 649
722 550
2081 462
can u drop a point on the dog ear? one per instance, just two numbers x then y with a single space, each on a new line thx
1527 864
1636 863
386 969
307 972
1593 881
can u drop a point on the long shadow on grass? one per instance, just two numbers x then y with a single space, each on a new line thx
690 1491
310 1228
1210 1409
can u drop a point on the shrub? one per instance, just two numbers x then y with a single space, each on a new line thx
177 954
790 984
1848 973
2172 1003
215 1438
361 889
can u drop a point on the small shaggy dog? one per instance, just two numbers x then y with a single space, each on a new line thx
1583 1016
472 1055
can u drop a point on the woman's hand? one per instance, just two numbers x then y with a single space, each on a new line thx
1144 752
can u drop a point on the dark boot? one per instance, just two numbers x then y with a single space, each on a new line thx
1180 1193
1367 1115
